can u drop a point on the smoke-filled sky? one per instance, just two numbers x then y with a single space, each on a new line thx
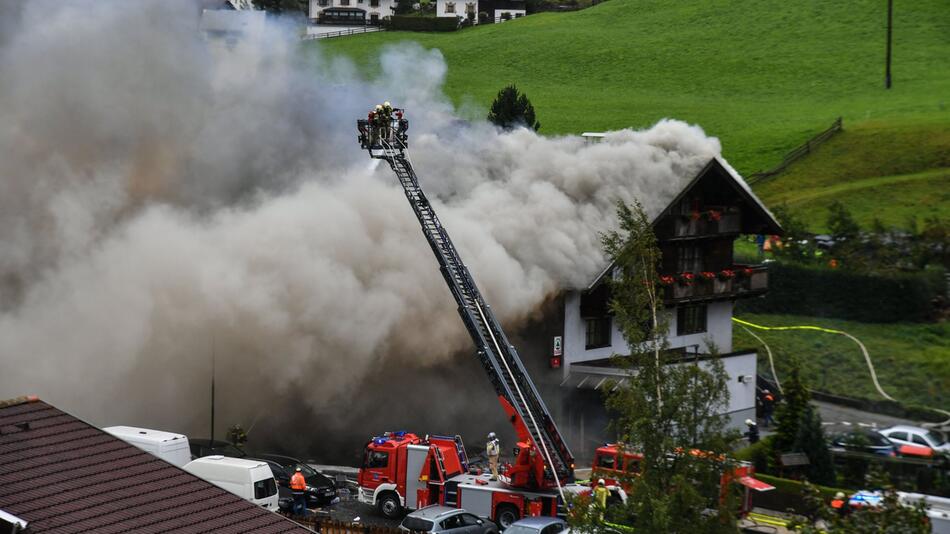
162 197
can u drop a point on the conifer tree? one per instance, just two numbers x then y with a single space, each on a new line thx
512 109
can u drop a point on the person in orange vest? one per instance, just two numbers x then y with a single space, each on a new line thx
768 407
298 484
840 504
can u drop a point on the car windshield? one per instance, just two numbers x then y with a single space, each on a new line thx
521 529
877 440
936 438
306 470
417 524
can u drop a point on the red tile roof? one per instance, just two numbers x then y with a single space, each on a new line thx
63 475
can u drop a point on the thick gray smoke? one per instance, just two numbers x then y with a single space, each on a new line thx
163 196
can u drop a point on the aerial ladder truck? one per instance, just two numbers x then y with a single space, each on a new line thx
405 471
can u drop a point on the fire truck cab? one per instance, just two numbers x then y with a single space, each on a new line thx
402 471
616 465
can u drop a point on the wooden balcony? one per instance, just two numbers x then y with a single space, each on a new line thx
749 281
686 227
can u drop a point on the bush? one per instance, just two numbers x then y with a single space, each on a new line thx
872 298
483 18
423 24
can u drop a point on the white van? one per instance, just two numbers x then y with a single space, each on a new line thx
250 479
173 448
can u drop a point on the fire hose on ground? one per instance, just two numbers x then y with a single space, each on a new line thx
867 357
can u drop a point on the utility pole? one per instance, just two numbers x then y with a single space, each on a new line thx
890 27
212 392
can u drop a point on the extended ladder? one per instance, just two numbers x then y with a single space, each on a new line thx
498 356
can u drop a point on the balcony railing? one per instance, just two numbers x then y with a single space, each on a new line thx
688 226
748 281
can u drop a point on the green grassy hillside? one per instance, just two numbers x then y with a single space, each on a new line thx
910 358
889 171
761 75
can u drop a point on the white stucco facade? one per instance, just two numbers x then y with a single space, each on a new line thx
456 8
375 9
718 332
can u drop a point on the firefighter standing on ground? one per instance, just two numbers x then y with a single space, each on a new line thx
493 449
600 497
298 484
768 407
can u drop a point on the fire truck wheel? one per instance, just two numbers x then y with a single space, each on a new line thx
389 506
505 515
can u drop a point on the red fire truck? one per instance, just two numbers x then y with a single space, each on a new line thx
615 465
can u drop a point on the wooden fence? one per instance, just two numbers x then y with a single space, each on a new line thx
797 153
341 33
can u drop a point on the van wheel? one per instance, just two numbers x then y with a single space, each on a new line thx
505 515
388 505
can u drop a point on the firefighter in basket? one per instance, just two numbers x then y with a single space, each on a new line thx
493 449
388 121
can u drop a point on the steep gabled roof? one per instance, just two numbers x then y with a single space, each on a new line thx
61 474
719 166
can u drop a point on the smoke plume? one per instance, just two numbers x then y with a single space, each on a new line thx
165 197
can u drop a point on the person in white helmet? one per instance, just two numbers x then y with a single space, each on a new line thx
493 449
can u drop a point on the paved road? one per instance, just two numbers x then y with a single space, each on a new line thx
840 418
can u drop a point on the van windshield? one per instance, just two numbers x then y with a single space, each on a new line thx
265 488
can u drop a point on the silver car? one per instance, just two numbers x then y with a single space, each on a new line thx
914 435
538 525
444 519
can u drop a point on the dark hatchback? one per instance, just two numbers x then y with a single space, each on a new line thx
323 489
867 441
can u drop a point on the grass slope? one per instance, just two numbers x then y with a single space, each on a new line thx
761 75
888 171
911 359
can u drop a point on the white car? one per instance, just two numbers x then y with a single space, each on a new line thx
914 435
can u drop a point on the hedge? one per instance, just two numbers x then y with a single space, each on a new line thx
422 24
871 298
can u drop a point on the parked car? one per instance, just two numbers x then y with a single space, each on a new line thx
914 435
316 496
865 441
249 479
538 525
171 447
438 518
324 488
204 447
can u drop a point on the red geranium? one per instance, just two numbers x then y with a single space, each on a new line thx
686 279
694 216
747 271
726 274
714 215
708 275
666 280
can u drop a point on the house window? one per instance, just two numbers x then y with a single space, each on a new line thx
690 320
598 332
323 3
373 3
450 7
470 8
688 259
344 2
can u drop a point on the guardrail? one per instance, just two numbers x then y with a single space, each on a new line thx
341 33
797 153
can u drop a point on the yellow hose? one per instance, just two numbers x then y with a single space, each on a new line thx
864 350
